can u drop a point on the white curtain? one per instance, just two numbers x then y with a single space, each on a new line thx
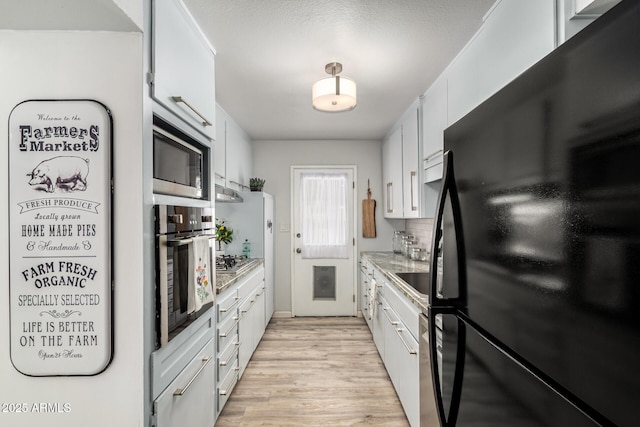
323 213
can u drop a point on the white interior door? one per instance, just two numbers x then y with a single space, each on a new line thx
324 223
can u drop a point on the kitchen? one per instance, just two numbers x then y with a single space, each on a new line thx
120 61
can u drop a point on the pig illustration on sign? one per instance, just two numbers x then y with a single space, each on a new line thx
64 172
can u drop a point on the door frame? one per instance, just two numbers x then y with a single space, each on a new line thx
354 219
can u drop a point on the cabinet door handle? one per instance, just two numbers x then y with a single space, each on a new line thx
238 184
182 391
205 122
413 178
432 155
389 197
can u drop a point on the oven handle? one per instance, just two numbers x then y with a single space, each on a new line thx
181 242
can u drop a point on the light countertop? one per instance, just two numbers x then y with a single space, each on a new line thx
389 263
224 280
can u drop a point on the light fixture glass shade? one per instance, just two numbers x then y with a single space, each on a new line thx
334 94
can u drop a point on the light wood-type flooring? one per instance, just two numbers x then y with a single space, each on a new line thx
314 371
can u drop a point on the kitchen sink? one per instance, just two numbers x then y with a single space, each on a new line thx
417 280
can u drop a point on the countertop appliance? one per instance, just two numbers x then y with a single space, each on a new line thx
539 220
253 220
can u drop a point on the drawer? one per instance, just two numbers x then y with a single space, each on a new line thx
225 387
227 304
250 282
406 311
187 399
227 359
227 331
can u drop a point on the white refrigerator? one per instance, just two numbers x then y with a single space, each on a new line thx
252 220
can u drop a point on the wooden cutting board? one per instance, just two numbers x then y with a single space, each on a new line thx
368 215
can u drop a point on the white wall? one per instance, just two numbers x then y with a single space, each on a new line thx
272 160
107 67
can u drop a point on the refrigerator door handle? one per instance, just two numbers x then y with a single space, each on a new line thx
456 392
448 188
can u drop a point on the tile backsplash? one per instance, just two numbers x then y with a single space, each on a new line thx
422 229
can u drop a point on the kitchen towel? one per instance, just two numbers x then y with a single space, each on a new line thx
200 287
373 287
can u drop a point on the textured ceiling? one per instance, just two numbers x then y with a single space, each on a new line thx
270 52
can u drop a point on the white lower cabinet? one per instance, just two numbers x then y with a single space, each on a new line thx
377 320
228 345
401 361
251 326
188 400
394 329
241 324
366 306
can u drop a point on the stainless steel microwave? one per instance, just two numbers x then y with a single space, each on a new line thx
178 165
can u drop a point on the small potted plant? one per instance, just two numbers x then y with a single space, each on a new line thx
256 184
224 234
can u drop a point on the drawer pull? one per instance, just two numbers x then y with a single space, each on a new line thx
226 362
406 345
224 310
182 391
226 333
393 322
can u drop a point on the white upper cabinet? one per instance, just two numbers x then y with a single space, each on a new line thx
576 15
392 174
183 65
434 122
411 182
239 157
401 166
233 153
219 148
514 36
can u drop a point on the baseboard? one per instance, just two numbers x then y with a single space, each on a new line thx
282 314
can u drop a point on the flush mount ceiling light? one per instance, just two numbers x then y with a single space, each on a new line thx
335 93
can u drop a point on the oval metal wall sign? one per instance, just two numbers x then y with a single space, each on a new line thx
60 237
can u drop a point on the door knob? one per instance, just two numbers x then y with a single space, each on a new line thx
298 251
298 235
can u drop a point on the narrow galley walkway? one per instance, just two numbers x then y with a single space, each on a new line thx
314 371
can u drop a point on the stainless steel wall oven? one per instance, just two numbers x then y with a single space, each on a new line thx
175 229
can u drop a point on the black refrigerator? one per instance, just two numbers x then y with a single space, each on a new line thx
535 298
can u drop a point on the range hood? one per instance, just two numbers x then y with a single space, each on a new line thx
227 195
